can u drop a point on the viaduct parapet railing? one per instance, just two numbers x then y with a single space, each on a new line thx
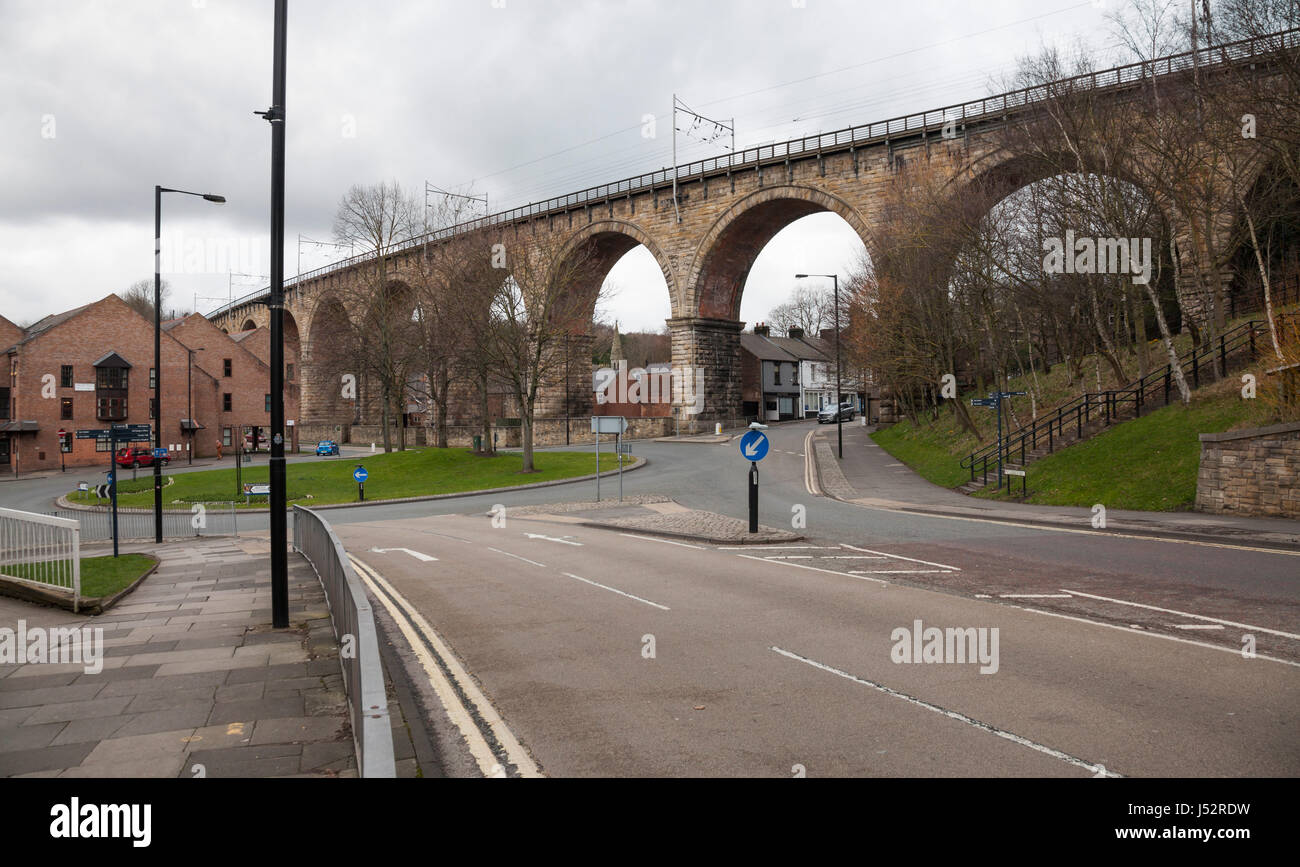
974 112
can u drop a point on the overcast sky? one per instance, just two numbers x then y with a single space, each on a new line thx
516 99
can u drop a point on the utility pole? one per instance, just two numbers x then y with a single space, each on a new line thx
275 115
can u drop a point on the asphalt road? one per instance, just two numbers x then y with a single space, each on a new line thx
1114 652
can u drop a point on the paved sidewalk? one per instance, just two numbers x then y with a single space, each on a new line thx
192 676
658 516
870 476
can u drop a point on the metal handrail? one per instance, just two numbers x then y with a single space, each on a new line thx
972 111
354 627
1106 404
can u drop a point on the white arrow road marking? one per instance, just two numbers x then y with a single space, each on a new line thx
564 541
424 558
1096 769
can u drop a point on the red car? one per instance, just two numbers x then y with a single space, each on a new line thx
137 456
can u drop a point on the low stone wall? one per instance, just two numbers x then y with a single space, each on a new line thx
1251 472
551 432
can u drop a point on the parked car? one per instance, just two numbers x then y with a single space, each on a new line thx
261 442
139 456
327 448
828 415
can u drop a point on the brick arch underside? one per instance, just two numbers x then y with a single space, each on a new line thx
598 249
322 399
727 259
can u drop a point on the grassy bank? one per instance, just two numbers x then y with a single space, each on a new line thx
392 476
1148 463
100 576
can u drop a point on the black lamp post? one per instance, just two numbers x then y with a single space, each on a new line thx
839 413
275 115
157 345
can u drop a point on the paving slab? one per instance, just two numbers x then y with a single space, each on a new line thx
192 674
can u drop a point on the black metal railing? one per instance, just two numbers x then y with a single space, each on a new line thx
977 111
1093 411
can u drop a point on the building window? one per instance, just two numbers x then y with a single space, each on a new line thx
776 373
288 373
4 403
226 403
65 408
153 378
103 445
111 408
112 377
225 436
65 376
268 403
153 407
226 367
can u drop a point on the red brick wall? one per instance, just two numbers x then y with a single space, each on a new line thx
9 333
106 326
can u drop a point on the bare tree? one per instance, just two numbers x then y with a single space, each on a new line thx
139 296
809 308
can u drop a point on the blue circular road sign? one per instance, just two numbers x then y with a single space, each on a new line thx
754 445
360 474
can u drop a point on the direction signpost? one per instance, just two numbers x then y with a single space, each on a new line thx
611 424
995 400
754 447
114 434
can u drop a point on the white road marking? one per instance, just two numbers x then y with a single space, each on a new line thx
1137 630
899 572
901 557
1051 529
564 541
952 714
663 541
1246 626
413 626
1196 626
1035 596
517 557
777 547
790 557
615 590
813 568
424 558
852 557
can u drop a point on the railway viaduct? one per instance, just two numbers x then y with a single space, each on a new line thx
707 237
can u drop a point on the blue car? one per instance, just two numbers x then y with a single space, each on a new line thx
327 448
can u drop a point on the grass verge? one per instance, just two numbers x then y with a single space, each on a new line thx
100 576
427 472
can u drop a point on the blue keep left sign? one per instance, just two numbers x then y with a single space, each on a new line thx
360 474
754 445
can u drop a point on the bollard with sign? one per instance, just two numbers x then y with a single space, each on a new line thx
361 475
754 447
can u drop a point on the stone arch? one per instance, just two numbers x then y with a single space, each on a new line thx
606 242
321 392
727 251
249 325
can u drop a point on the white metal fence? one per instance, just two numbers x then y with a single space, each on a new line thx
42 551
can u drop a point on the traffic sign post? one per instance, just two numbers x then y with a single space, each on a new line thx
361 475
754 447
612 424
995 400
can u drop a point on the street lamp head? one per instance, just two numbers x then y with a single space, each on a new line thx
213 197
800 276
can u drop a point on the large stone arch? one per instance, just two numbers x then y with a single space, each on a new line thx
604 243
321 387
727 251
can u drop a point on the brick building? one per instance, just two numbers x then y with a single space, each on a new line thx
92 367
240 394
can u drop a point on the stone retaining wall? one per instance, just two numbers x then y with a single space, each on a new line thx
1251 472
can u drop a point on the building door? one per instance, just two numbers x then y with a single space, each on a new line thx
773 414
4 451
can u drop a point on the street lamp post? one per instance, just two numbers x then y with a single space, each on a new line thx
839 415
275 116
157 344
